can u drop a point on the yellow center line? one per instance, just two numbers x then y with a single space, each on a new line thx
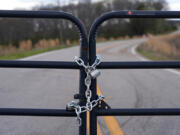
99 132
111 121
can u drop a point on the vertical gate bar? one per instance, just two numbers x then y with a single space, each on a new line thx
93 117
82 86
82 128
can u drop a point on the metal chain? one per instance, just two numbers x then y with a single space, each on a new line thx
88 78
81 109
89 104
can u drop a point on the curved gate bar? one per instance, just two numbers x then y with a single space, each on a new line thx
48 64
51 15
120 65
123 14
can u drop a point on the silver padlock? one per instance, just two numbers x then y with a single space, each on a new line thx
71 106
95 73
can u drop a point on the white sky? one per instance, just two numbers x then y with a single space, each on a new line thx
174 4
27 4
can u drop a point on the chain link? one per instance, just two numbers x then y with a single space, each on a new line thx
89 104
81 109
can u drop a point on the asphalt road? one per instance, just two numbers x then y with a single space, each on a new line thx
46 88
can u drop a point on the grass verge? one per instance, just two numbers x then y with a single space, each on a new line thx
151 55
163 47
23 54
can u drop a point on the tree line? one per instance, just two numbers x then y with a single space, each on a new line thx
13 31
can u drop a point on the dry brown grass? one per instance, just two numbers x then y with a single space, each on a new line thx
68 42
164 45
47 43
27 45
4 50
102 39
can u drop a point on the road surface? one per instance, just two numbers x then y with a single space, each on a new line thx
47 88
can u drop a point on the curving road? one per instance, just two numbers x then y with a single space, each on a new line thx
45 88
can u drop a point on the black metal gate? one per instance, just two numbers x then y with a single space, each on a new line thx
88 55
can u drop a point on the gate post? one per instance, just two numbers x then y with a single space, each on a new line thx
92 57
82 86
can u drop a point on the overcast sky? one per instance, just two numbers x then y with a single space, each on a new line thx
27 4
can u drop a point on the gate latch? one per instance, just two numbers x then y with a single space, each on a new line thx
91 73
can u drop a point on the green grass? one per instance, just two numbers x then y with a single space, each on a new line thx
23 54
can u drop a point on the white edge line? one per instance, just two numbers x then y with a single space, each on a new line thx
44 54
36 56
133 51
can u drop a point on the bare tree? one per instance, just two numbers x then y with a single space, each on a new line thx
87 11
85 1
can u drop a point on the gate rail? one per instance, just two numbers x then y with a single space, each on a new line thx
88 55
